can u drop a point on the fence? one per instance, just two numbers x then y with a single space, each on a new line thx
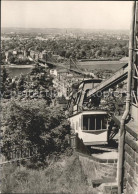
20 154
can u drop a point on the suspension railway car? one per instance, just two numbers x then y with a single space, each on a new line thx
91 126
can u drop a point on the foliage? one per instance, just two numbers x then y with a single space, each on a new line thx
77 47
37 84
82 49
34 123
4 76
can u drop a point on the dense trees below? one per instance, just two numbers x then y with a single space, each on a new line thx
31 123
37 84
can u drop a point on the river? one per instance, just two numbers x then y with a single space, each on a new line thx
16 70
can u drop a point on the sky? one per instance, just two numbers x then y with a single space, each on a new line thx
66 14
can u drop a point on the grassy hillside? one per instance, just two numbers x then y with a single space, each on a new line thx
64 176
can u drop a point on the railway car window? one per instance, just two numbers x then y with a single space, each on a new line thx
85 123
94 122
98 122
104 122
85 97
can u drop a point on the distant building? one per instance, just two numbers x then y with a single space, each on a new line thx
8 54
53 72
14 52
43 55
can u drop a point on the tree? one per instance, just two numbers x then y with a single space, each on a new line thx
21 83
11 59
68 54
62 53
4 76
34 123
98 53
3 57
83 53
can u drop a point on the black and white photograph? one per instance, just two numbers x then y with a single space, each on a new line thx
69 97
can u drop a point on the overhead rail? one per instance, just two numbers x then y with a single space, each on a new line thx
118 76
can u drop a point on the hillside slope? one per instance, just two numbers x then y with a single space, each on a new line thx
64 176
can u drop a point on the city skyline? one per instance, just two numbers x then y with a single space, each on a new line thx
66 14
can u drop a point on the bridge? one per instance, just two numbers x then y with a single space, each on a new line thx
70 64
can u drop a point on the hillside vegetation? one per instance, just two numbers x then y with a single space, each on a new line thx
64 176
33 123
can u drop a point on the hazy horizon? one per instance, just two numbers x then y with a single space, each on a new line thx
91 15
95 29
